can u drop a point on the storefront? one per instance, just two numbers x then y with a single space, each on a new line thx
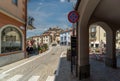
11 44
11 40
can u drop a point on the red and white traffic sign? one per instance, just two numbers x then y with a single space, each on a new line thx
73 16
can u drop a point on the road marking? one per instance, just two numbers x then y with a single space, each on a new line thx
25 62
50 78
15 78
3 75
34 78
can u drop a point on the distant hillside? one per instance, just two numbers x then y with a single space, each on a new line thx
54 29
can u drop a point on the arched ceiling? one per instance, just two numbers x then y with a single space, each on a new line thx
108 10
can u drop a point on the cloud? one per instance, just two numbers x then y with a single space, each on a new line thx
40 3
40 15
48 14
62 0
34 32
46 6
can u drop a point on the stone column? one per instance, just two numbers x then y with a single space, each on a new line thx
85 10
83 53
110 59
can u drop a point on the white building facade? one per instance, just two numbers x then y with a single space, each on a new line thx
65 37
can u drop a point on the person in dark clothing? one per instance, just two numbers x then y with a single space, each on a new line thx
31 50
28 51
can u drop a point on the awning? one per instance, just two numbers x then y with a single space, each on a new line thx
96 42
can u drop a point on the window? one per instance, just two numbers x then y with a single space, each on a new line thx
92 45
96 45
38 39
15 2
104 45
104 34
93 29
93 35
11 40
65 38
61 38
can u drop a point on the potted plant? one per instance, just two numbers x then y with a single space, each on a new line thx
40 50
45 47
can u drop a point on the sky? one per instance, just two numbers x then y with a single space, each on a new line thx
49 13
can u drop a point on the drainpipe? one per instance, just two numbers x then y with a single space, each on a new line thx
25 28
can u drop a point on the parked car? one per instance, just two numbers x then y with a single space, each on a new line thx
54 44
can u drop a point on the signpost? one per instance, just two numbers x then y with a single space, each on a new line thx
73 17
73 54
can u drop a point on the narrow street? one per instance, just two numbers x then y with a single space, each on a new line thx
35 68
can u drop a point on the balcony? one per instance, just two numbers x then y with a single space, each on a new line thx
30 27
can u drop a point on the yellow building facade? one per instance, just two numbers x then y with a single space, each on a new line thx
97 36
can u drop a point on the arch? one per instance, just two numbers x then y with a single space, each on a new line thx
110 58
105 26
18 29
86 11
109 34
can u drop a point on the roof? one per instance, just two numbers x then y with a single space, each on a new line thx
35 36
67 30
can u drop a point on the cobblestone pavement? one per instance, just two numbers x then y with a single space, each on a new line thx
36 68
99 72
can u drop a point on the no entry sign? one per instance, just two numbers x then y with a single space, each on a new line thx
73 16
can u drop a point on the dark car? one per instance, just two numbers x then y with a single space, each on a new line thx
54 44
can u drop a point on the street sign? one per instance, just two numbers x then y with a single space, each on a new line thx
73 16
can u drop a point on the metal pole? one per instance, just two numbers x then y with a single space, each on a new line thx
73 29
71 51
76 49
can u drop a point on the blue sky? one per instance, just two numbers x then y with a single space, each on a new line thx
49 13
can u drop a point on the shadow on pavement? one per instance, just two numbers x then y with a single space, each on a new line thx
99 72
64 73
